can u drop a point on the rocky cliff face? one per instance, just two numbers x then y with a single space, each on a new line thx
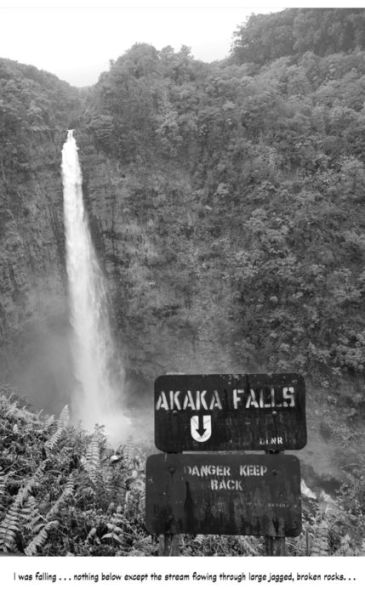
142 219
143 222
34 110
171 314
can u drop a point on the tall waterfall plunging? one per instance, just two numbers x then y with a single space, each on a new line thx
97 397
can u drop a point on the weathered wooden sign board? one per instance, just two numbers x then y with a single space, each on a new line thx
230 412
225 494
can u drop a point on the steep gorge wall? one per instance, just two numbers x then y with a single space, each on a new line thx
34 111
240 192
226 210
226 204
144 225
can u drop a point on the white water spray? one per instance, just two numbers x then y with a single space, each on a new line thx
96 399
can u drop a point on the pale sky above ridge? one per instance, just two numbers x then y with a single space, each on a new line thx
77 43
76 40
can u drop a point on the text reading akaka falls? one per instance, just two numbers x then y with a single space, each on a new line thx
229 412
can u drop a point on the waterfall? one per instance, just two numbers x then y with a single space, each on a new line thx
97 398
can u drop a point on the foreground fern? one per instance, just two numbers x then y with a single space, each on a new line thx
60 489
62 423
40 539
63 491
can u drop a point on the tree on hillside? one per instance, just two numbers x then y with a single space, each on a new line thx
294 31
265 37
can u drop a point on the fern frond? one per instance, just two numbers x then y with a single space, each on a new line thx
249 545
54 439
108 481
298 546
62 423
12 523
30 515
64 418
320 542
134 502
9 528
66 494
24 492
347 548
135 494
40 539
132 457
92 462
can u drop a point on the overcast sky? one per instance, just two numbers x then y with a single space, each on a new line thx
76 43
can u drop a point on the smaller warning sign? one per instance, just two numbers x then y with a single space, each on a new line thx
230 494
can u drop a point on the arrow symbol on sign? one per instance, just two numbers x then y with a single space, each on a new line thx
201 427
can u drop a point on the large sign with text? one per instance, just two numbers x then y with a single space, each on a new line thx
223 494
230 412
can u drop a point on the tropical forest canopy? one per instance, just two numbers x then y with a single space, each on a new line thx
225 199
245 181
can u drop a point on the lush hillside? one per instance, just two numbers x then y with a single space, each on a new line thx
234 216
35 111
226 202
293 32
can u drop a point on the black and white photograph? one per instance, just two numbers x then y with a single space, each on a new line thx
182 286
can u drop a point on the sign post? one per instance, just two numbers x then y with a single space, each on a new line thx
190 490
169 545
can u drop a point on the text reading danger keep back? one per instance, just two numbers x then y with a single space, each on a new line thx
221 477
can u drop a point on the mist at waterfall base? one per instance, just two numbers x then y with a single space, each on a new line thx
99 392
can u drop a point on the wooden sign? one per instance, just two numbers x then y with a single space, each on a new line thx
230 412
223 494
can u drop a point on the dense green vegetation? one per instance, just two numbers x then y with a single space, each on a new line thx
64 492
295 31
35 110
233 222
226 202
244 184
